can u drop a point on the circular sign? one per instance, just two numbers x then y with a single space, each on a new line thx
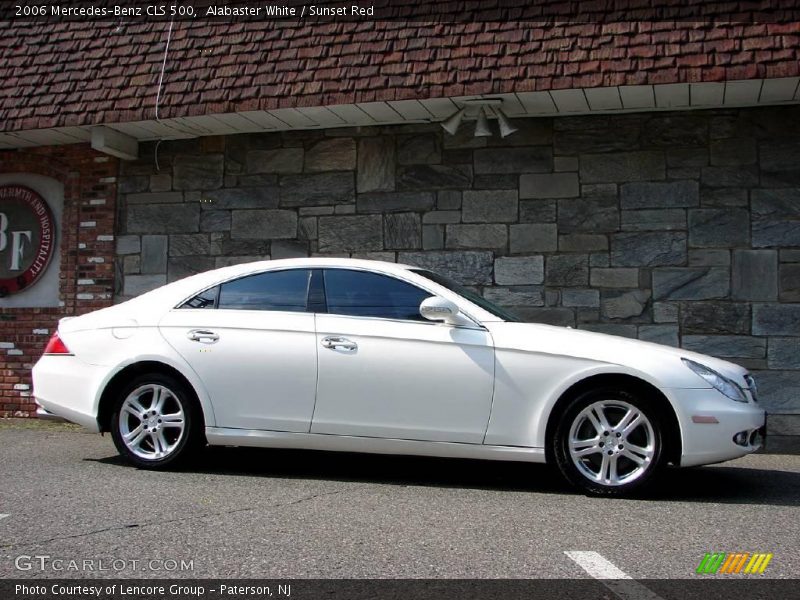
27 238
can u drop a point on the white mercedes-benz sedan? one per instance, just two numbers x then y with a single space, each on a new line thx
363 356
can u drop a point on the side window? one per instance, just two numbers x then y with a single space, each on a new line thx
274 290
364 294
205 299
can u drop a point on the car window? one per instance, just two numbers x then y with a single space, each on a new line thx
206 299
364 294
274 290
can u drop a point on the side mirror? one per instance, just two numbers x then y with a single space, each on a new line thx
436 308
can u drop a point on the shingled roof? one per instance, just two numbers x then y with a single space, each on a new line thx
70 74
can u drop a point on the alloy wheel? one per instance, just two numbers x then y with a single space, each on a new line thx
152 422
612 442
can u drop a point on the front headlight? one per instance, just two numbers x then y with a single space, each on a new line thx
717 381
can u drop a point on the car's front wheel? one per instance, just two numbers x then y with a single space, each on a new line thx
155 423
609 442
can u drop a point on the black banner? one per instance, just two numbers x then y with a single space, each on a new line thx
737 587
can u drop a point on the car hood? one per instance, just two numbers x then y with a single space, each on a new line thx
662 365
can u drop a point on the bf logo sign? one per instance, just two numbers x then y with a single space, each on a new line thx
27 238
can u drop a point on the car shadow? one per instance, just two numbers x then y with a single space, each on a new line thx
717 484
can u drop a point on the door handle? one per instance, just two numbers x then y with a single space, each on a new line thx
334 342
203 336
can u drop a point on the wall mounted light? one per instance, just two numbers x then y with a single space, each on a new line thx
481 110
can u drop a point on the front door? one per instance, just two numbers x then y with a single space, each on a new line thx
384 371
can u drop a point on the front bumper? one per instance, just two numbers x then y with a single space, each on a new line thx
715 428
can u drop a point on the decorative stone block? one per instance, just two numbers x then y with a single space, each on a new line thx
533 159
537 211
515 296
154 198
468 268
215 220
790 283
598 214
623 305
163 218
582 242
434 177
523 270
667 335
289 249
755 275
134 285
642 165
179 267
559 316
197 172
672 194
665 312
161 182
715 317
266 196
189 244
128 244
775 217
307 228
618 329
317 189
331 154
432 237
783 353
549 185
264 224
734 177
648 249
442 216
776 319
376 164
615 278
467 237
402 231
422 149
154 254
589 298
350 233
567 270
383 202
733 152
279 160
533 238
719 227
490 206
690 283
448 200
709 258
668 219
726 346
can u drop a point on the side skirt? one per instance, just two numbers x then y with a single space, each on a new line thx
222 436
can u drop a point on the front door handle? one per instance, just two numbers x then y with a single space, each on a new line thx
203 336
334 342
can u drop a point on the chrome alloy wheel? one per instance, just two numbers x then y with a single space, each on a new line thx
152 422
611 442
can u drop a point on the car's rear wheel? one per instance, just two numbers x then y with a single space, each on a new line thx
155 423
609 442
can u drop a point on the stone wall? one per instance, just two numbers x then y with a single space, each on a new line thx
678 228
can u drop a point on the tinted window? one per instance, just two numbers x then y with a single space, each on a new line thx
205 299
366 294
276 290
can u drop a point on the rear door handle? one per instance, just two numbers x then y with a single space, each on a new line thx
334 342
203 336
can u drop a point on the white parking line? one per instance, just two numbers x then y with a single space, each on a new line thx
614 578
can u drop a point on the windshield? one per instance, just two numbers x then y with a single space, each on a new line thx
485 304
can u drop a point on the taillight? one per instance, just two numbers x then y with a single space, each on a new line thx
56 346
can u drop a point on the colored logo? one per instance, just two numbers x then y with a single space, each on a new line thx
734 562
27 238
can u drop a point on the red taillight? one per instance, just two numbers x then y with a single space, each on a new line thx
56 346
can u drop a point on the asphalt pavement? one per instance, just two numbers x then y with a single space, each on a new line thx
65 495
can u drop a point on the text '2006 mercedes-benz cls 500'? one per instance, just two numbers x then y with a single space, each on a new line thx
363 356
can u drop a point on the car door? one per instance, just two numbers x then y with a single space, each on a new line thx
384 371
252 343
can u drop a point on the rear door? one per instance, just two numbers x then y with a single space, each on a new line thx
252 343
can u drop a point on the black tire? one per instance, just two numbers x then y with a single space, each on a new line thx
575 423
181 447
